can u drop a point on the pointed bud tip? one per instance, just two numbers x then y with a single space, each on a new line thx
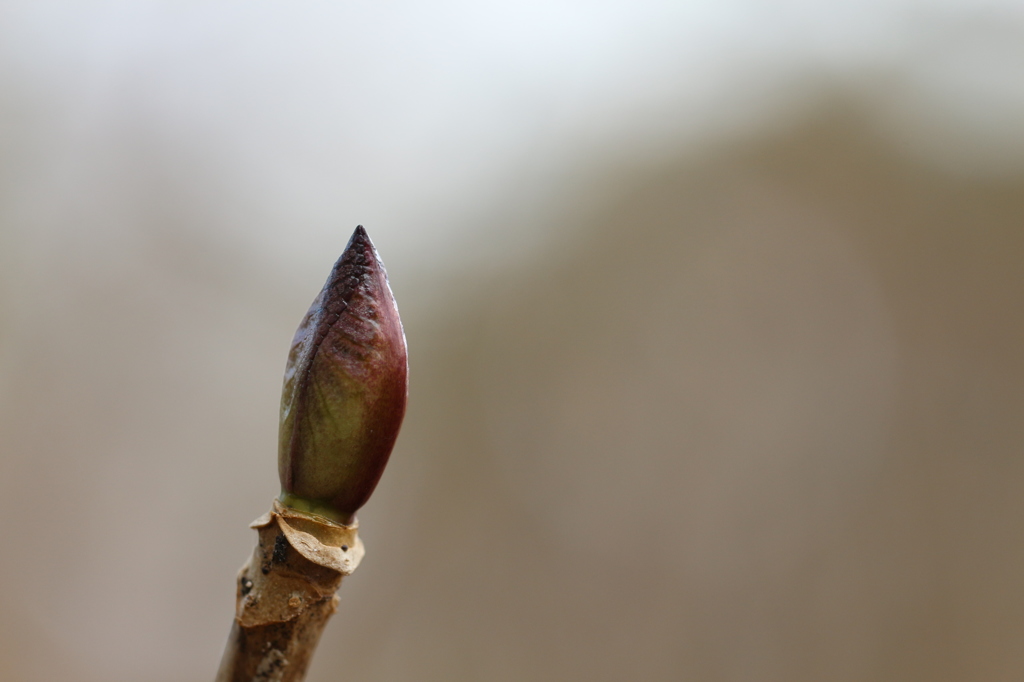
359 260
359 239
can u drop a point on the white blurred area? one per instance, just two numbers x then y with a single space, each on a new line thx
284 121
176 179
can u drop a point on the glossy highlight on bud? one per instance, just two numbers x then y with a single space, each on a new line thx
345 388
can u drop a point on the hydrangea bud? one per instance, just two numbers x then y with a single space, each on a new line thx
345 388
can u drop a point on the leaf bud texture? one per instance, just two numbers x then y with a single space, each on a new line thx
345 389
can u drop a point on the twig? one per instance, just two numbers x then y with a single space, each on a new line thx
286 593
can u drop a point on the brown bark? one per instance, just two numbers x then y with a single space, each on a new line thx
286 593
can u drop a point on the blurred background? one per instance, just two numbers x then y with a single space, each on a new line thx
714 316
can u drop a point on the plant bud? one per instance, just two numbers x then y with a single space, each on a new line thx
345 388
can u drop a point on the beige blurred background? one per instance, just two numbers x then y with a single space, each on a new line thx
714 315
